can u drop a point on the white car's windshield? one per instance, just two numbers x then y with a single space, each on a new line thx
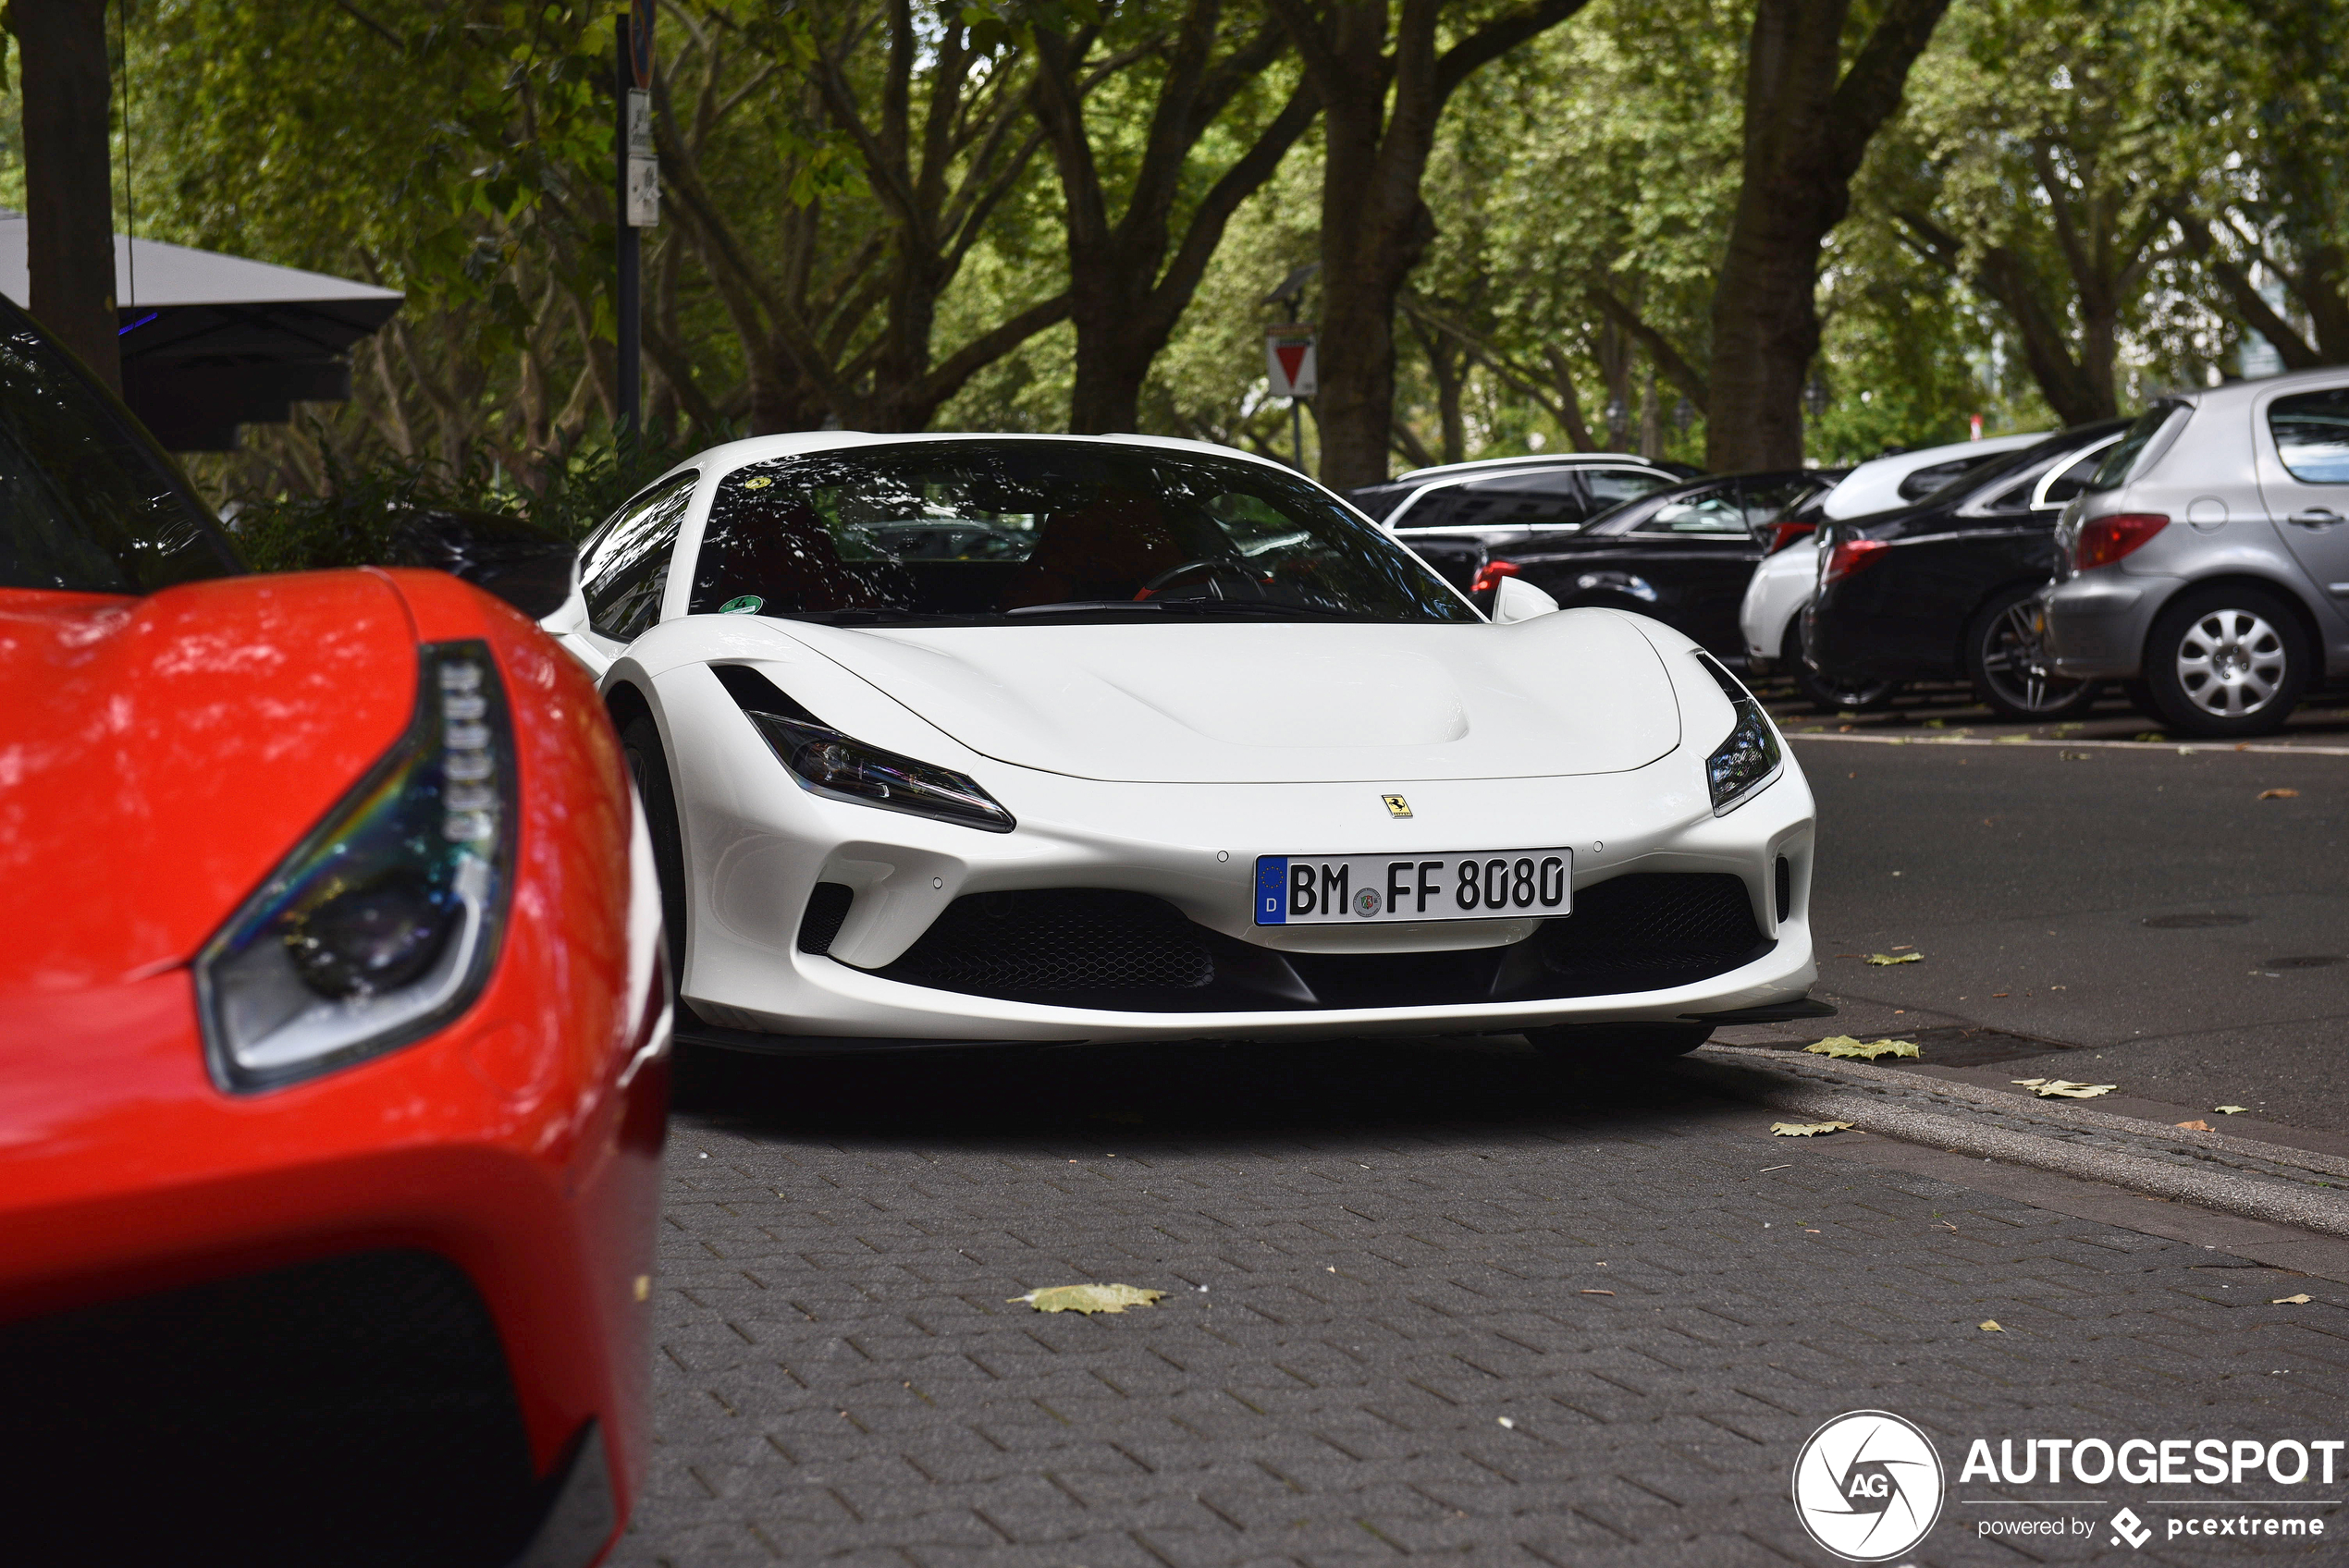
1029 531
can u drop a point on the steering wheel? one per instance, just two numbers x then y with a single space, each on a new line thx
1212 565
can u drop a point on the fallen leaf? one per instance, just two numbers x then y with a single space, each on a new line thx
1597 1292
2045 1088
2279 794
2150 735
2300 1300
2231 1109
1090 1298
1507 1421
1990 1326
1805 1129
2196 1125
1841 1046
2014 739
1892 957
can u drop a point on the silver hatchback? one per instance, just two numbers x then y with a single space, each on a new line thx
2208 561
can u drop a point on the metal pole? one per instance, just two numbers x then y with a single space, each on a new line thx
628 311
1297 429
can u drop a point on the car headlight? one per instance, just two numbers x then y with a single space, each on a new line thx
385 923
828 762
1743 764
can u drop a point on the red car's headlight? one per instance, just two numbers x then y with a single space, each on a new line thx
385 923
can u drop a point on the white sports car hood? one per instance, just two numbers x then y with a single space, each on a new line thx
1579 691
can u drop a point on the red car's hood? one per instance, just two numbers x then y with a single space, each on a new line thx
159 756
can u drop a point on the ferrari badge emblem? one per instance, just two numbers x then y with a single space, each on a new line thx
1396 805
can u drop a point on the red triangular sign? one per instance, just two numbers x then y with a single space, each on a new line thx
1292 358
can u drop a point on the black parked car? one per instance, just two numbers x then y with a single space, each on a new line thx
1943 590
1681 553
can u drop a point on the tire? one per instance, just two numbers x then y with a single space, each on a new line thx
648 765
2226 661
1617 1044
1828 693
2003 660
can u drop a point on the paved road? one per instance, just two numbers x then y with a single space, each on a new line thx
1376 1252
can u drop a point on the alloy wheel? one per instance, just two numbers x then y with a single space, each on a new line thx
2014 663
2231 663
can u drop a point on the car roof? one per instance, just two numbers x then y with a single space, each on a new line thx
2234 391
1875 486
1537 460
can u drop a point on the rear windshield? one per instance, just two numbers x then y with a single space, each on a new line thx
2121 461
88 503
1015 532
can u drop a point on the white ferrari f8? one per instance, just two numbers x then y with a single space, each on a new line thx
972 739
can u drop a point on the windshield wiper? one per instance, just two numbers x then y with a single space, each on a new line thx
1177 607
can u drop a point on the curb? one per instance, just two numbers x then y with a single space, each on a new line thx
2214 1171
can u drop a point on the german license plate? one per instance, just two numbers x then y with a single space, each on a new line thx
1356 889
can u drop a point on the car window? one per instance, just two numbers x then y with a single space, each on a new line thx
1017 532
2122 459
2060 488
1613 486
2312 435
1716 511
1516 500
88 503
627 566
1767 500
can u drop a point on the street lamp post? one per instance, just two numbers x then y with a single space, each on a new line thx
637 182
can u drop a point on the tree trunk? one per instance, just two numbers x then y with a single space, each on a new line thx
1805 133
1375 225
68 177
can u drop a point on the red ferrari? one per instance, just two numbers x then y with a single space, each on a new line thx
333 1044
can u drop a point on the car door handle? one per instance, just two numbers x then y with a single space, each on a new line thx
2315 516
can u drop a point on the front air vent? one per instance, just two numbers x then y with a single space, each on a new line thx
827 907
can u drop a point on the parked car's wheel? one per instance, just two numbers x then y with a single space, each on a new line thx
1618 1045
2005 659
1830 694
2225 661
648 765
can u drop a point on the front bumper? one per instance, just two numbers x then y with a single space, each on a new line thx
762 846
2096 624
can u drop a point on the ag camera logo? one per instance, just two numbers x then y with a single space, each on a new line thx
1867 1486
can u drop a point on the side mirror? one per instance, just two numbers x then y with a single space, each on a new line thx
525 565
1515 599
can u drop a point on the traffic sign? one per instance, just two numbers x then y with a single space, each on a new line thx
1290 362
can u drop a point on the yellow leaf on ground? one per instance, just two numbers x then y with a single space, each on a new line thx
2300 1300
1090 1298
1990 1326
2279 794
2044 1087
1896 958
1805 1129
1845 1046
2231 1109
2014 739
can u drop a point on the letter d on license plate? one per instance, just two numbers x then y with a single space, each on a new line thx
1353 889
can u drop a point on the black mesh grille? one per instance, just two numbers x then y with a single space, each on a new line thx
1080 948
827 907
1074 939
355 1411
1653 923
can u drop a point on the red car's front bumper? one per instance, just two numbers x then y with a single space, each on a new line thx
246 1317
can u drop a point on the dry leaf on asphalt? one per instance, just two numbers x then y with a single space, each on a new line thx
2300 1300
2196 1125
1598 1292
1805 1129
1896 958
1845 1046
1990 1326
2279 794
2044 1087
1090 1298
2231 1109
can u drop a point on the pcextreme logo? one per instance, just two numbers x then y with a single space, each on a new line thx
1867 1486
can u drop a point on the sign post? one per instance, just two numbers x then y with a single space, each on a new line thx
638 190
1294 373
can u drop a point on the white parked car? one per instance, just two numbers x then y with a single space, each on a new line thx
1770 616
1181 746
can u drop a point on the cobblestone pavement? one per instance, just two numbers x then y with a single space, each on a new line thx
1423 1299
